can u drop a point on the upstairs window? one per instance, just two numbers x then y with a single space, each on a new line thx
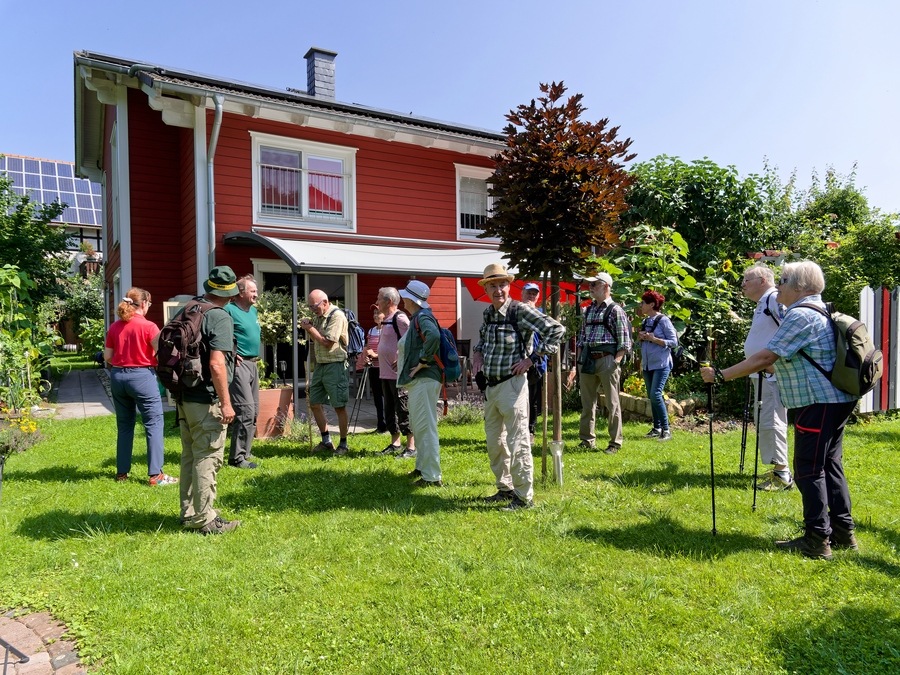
473 202
303 184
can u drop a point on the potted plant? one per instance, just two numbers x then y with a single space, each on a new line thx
275 313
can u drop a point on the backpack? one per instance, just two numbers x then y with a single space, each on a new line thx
181 347
447 357
679 356
610 326
858 365
356 336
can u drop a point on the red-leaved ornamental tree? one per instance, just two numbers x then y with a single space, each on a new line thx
559 189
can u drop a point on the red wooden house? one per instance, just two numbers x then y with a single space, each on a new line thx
288 185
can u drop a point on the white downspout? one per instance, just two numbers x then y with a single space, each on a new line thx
210 188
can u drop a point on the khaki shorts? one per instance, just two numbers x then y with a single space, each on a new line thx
330 385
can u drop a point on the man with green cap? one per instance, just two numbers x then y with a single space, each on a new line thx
204 411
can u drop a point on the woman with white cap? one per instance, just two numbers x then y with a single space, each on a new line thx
419 373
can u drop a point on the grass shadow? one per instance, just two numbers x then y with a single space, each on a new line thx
324 488
58 524
670 473
56 474
852 639
667 538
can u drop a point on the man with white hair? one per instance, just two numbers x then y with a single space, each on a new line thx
771 420
804 341
603 340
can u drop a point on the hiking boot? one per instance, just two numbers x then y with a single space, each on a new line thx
243 464
518 504
653 433
811 545
665 435
843 539
409 453
121 477
422 483
501 496
324 447
586 445
774 482
611 450
218 526
162 479
415 473
390 450
341 449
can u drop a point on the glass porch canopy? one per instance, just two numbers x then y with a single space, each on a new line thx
304 256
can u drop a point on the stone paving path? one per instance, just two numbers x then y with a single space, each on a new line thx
41 638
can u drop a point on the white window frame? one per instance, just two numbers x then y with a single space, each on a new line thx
306 148
465 171
115 216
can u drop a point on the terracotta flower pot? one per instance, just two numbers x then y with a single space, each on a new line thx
275 407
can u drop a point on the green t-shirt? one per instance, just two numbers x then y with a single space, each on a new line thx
218 334
246 330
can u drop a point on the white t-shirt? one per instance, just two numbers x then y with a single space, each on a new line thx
763 328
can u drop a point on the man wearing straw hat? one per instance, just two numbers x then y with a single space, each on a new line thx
503 356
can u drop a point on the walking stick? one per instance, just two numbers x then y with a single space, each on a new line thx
757 422
748 410
712 471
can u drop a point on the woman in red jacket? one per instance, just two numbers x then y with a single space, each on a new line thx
131 345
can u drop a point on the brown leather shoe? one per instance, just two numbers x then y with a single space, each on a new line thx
841 538
811 545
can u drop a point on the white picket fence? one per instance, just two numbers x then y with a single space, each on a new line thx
880 311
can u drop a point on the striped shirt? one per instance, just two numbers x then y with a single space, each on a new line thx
502 345
799 383
593 333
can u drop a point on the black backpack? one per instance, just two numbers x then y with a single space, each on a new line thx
181 348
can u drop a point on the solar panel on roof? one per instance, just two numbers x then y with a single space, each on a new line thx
68 198
49 182
2 163
18 180
83 201
81 185
32 180
32 166
48 168
14 163
65 170
67 185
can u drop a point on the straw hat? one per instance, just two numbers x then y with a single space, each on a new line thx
495 272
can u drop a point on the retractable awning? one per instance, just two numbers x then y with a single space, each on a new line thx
304 256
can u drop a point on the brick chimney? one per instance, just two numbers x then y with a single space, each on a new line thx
320 73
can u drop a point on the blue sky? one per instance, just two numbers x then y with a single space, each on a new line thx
806 84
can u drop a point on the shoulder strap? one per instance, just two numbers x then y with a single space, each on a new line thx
769 312
610 309
806 356
393 322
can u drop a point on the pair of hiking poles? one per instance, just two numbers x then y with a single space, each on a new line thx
748 413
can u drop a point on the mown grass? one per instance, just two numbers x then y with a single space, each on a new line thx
342 567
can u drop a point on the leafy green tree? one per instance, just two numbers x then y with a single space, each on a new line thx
28 241
83 299
718 213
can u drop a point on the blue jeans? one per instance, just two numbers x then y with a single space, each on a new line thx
655 380
136 389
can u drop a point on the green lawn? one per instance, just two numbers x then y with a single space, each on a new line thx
342 567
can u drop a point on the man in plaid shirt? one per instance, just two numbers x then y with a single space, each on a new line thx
599 352
820 410
503 356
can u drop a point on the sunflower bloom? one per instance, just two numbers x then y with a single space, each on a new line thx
726 267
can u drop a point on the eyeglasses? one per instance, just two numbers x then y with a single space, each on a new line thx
784 280
316 306
747 281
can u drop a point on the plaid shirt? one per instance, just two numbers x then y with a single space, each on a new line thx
799 383
502 346
332 326
594 336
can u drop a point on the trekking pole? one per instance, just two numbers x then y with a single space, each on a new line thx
748 409
756 424
712 472
360 390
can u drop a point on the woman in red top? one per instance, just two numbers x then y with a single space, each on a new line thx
131 351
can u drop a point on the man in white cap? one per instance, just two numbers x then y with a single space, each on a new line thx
531 293
503 355
417 370
603 340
